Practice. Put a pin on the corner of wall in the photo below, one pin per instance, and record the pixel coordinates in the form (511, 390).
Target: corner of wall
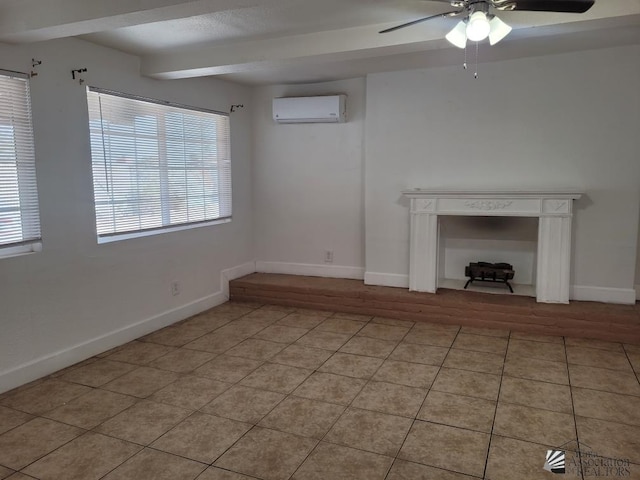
(235, 272)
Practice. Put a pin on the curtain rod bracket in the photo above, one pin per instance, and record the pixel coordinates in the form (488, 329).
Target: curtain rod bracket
(34, 63)
(78, 71)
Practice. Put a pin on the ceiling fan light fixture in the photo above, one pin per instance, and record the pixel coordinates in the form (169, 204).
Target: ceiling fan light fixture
(458, 35)
(478, 27)
(499, 30)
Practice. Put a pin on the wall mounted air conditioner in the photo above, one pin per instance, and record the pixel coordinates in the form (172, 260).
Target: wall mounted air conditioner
(324, 109)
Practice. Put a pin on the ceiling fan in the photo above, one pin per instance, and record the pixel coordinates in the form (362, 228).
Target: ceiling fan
(479, 23)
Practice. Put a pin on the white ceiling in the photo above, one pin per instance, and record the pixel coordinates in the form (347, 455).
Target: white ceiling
(294, 41)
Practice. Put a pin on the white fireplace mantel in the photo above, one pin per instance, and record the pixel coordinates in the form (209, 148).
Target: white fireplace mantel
(554, 210)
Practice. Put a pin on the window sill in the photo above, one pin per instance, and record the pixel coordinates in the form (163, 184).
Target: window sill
(148, 233)
(17, 250)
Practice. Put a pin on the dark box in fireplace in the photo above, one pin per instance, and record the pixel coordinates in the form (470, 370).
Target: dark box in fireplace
(489, 272)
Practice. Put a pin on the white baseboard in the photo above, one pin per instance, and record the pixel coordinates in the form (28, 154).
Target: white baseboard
(312, 270)
(386, 279)
(604, 294)
(53, 362)
(578, 292)
(235, 272)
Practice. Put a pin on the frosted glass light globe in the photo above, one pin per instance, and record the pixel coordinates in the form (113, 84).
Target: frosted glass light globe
(478, 27)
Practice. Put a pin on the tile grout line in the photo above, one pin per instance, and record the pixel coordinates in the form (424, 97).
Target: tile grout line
(395, 458)
(495, 413)
(368, 380)
(125, 461)
(339, 416)
(467, 396)
(180, 323)
(203, 413)
(252, 425)
(415, 419)
(573, 409)
(65, 444)
(280, 402)
(626, 353)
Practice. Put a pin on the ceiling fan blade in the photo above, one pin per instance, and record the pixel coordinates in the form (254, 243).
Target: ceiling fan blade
(420, 20)
(564, 6)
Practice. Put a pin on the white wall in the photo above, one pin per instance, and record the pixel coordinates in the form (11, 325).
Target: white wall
(308, 190)
(553, 122)
(563, 121)
(62, 304)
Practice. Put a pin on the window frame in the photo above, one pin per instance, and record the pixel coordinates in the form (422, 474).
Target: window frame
(27, 189)
(163, 170)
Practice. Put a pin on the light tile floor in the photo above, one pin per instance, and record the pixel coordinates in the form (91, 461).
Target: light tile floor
(246, 391)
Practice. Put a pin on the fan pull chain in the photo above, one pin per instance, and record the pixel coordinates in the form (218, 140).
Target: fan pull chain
(475, 75)
(464, 65)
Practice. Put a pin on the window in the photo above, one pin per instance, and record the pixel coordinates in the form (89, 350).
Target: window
(19, 216)
(156, 165)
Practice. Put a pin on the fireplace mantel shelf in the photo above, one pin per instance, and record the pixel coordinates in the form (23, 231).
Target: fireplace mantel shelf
(538, 194)
(553, 208)
(492, 203)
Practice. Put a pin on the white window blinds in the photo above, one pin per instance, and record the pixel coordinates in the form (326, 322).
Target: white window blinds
(156, 165)
(19, 217)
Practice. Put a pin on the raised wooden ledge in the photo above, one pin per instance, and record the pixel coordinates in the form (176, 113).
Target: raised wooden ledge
(617, 323)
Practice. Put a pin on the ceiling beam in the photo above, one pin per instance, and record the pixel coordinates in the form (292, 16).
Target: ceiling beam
(356, 42)
(23, 21)
(351, 44)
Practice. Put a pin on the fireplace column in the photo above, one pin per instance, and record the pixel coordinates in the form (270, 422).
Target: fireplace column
(554, 252)
(423, 246)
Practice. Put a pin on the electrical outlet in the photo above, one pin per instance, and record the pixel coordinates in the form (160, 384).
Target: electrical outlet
(175, 288)
(328, 256)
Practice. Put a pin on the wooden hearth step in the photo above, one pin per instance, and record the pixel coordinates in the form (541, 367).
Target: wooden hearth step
(579, 319)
